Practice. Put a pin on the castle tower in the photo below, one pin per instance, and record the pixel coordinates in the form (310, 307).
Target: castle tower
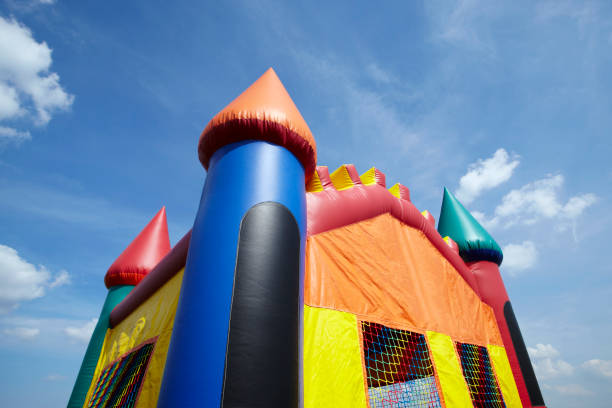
(145, 251)
(237, 333)
(483, 256)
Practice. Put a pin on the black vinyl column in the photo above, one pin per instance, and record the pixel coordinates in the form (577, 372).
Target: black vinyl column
(533, 389)
(262, 358)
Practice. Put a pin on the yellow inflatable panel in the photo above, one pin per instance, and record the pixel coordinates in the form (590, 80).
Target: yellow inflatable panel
(446, 362)
(314, 185)
(501, 365)
(341, 179)
(369, 177)
(333, 372)
(395, 190)
(153, 318)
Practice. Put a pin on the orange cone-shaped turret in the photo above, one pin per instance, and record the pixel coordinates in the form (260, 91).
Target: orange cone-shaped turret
(264, 111)
(145, 251)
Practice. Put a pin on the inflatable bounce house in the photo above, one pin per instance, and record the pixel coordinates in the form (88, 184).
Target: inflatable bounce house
(301, 288)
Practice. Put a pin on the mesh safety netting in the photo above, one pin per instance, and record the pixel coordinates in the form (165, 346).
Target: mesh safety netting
(400, 372)
(478, 373)
(119, 383)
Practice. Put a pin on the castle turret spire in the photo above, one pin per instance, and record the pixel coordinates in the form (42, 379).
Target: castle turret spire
(145, 251)
(475, 243)
(264, 111)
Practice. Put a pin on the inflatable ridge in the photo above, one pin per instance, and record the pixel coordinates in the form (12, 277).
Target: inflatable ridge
(430, 218)
(452, 244)
(345, 177)
(400, 191)
(373, 176)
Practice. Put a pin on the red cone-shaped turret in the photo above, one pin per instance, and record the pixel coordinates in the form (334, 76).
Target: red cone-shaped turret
(142, 255)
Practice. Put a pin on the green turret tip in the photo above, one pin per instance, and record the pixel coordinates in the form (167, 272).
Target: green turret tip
(475, 243)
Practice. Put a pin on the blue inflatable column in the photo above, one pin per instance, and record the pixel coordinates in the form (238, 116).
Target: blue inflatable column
(237, 333)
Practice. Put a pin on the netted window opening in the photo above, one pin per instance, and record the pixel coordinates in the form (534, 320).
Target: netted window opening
(400, 373)
(119, 383)
(478, 373)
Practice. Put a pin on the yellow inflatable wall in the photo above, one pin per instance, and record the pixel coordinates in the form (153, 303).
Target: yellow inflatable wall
(150, 322)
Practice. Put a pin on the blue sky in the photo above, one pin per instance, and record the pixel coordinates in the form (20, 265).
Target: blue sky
(507, 104)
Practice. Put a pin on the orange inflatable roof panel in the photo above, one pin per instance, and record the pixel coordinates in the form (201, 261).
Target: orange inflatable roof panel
(264, 111)
(384, 271)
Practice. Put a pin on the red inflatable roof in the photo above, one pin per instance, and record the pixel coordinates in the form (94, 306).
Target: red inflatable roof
(264, 111)
(142, 255)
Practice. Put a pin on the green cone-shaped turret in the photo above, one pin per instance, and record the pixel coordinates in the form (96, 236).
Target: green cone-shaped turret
(475, 243)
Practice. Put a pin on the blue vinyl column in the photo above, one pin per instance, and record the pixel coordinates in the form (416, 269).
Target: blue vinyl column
(240, 176)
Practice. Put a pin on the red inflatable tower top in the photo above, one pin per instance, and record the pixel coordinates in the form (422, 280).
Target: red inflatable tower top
(145, 251)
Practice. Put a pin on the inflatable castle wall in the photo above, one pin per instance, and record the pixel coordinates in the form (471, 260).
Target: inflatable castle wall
(301, 288)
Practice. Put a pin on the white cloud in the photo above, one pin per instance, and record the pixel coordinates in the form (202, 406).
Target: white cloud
(27, 86)
(23, 333)
(601, 367)
(546, 362)
(543, 351)
(532, 201)
(576, 205)
(551, 368)
(519, 257)
(9, 102)
(81, 333)
(22, 281)
(540, 200)
(62, 278)
(53, 337)
(485, 175)
(572, 389)
(12, 135)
